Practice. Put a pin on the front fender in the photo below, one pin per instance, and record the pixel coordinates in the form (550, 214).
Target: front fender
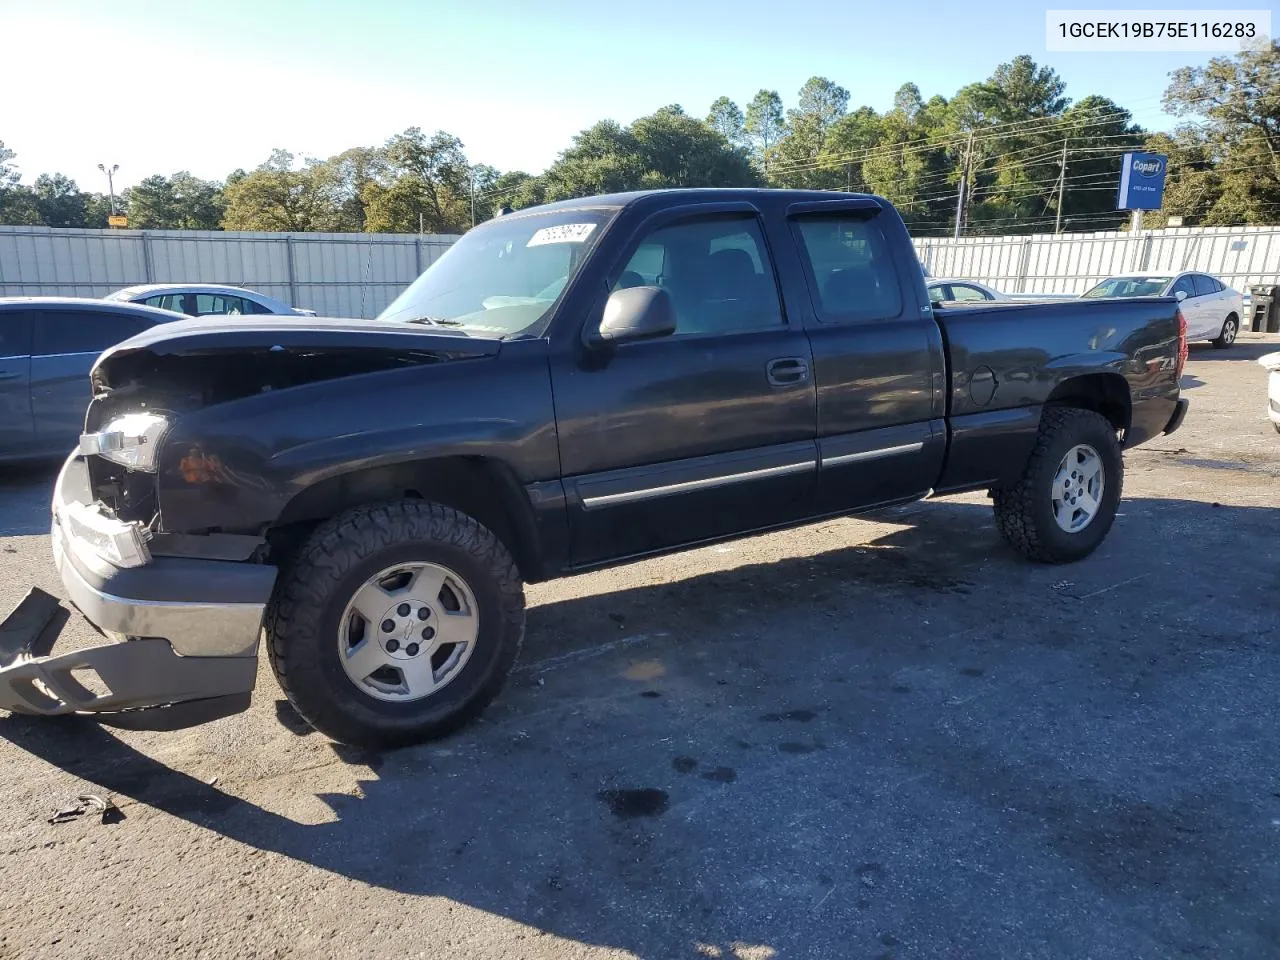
(235, 466)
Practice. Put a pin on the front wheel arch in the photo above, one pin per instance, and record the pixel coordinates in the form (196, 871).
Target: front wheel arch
(483, 488)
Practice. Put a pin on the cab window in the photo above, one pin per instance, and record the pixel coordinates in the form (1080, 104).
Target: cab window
(851, 273)
(717, 271)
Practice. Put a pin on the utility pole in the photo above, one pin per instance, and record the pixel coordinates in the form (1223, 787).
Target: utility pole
(965, 166)
(1062, 186)
(111, 186)
(473, 198)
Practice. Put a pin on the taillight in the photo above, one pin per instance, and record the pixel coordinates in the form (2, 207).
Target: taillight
(1182, 343)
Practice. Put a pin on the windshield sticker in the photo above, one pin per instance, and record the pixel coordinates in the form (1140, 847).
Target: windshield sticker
(564, 233)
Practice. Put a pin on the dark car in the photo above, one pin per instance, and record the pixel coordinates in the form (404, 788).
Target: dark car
(47, 346)
(568, 387)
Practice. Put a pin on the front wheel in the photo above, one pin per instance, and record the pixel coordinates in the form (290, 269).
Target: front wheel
(396, 623)
(1230, 329)
(1063, 505)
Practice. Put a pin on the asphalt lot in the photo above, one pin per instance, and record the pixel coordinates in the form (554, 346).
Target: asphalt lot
(884, 737)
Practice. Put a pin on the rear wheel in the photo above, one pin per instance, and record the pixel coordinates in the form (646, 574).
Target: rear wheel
(1230, 329)
(1065, 502)
(396, 623)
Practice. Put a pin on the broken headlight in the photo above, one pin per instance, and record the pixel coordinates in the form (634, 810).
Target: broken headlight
(133, 440)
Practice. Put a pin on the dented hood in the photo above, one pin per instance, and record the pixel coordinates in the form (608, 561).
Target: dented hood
(219, 335)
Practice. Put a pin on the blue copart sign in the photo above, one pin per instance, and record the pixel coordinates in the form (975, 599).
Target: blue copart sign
(1142, 181)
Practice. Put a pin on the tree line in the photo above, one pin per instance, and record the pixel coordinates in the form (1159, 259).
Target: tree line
(1029, 158)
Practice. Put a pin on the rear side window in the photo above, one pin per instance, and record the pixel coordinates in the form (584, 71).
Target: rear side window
(212, 303)
(61, 332)
(962, 291)
(851, 274)
(1204, 285)
(15, 333)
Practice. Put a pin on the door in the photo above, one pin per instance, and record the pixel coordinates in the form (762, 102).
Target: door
(17, 435)
(66, 342)
(1209, 292)
(1195, 308)
(703, 433)
(877, 354)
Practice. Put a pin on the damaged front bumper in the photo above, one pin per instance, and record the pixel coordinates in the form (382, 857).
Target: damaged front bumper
(185, 631)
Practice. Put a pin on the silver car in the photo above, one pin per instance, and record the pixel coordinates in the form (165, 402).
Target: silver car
(206, 299)
(1212, 309)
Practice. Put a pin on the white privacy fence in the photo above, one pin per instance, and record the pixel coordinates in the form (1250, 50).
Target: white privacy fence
(335, 274)
(1071, 263)
(357, 274)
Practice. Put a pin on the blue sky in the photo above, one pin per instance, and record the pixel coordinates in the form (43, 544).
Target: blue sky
(211, 86)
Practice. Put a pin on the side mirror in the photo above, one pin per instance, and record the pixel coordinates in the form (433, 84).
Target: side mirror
(1181, 295)
(636, 313)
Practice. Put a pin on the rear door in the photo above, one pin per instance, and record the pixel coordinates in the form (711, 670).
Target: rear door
(877, 352)
(1209, 291)
(16, 431)
(706, 432)
(66, 342)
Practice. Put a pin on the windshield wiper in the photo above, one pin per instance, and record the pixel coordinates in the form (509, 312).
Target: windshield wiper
(438, 322)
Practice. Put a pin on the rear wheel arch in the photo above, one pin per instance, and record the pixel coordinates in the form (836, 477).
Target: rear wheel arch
(1228, 332)
(483, 488)
(1106, 394)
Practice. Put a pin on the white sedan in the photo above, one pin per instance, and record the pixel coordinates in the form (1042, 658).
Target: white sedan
(206, 299)
(1272, 362)
(961, 291)
(1213, 310)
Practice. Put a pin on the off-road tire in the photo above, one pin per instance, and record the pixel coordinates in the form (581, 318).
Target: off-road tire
(1024, 509)
(340, 555)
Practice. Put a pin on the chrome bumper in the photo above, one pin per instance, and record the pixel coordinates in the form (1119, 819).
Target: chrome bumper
(194, 627)
(184, 630)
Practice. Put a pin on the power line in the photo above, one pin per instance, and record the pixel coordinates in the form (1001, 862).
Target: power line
(1073, 125)
(999, 131)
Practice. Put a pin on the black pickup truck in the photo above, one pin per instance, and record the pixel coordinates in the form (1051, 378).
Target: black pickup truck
(568, 387)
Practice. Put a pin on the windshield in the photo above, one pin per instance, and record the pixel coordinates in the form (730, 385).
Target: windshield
(125, 294)
(502, 277)
(1129, 287)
